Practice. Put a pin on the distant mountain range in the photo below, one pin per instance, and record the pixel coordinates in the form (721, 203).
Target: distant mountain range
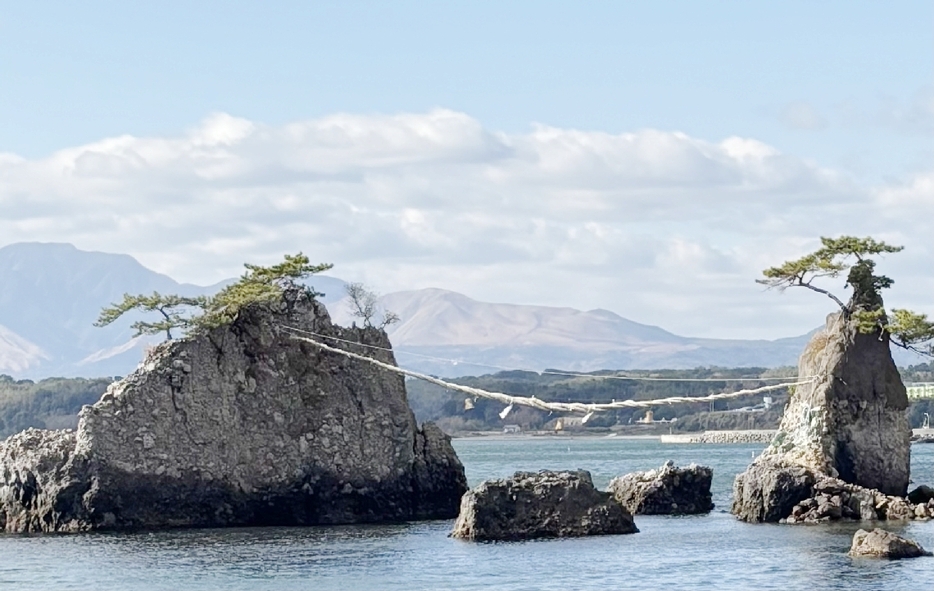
(51, 294)
(438, 327)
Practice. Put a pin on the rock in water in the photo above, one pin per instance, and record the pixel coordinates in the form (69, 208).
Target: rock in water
(850, 423)
(883, 544)
(668, 490)
(239, 425)
(540, 505)
(768, 490)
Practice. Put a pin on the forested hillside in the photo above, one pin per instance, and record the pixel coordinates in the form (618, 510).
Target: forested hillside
(452, 411)
(455, 415)
(48, 404)
(54, 403)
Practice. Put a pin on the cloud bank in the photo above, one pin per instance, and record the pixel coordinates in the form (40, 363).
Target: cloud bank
(656, 225)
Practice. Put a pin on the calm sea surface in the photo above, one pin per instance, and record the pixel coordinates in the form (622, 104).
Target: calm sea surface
(706, 552)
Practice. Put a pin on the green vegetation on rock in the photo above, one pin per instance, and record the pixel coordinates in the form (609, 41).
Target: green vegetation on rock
(175, 311)
(907, 329)
(257, 284)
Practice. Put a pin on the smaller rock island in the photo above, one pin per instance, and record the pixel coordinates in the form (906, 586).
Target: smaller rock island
(668, 490)
(543, 504)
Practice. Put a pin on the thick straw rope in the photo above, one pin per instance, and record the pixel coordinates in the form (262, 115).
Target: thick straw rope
(549, 372)
(578, 407)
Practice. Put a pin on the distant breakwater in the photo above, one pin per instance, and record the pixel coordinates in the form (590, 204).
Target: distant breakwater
(746, 436)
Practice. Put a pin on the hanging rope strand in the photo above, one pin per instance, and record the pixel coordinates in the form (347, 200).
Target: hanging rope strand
(533, 402)
(545, 372)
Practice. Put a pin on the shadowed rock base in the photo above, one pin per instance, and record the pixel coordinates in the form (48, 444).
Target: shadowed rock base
(540, 505)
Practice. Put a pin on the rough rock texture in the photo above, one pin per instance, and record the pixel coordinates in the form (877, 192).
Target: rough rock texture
(540, 505)
(879, 543)
(768, 490)
(242, 425)
(669, 490)
(832, 499)
(792, 494)
(850, 423)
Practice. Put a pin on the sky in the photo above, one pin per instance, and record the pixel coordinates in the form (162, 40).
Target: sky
(650, 158)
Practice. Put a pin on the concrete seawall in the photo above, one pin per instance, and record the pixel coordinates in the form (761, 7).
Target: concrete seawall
(750, 436)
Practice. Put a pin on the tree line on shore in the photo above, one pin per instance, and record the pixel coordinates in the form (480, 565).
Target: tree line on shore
(54, 403)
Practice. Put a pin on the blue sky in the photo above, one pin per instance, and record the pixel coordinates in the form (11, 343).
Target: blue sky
(76, 72)
(837, 96)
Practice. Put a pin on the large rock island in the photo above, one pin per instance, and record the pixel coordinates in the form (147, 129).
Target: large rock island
(238, 425)
(850, 424)
(844, 443)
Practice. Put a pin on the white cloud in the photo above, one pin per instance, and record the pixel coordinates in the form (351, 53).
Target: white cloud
(658, 226)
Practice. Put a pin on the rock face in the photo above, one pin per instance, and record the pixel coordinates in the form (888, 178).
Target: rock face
(832, 499)
(850, 423)
(240, 425)
(768, 490)
(883, 544)
(669, 490)
(540, 505)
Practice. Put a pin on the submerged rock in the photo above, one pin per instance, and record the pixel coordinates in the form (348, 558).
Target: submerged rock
(669, 490)
(540, 505)
(239, 425)
(879, 543)
(850, 424)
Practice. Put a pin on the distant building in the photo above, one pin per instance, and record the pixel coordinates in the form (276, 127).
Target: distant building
(648, 418)
(564, 423)
(512, 429)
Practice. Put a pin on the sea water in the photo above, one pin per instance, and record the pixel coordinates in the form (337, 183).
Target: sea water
(698, 552)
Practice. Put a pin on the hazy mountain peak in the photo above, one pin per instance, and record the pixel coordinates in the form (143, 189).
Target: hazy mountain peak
(52, 293)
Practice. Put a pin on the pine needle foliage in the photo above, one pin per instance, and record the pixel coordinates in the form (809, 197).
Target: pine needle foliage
(175, 312)
(257, 284)
(852, 255)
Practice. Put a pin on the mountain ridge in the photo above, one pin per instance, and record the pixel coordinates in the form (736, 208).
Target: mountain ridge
(53, 292)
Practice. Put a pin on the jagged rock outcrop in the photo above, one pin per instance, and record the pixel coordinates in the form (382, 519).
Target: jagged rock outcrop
(669, 490)
(769, 489)
(879, 543)
(832, 499)
(849, 423)
(239, 425)
(540, 505)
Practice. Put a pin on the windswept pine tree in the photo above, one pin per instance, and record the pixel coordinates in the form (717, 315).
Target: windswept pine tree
(905, 328)
(257, 284)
